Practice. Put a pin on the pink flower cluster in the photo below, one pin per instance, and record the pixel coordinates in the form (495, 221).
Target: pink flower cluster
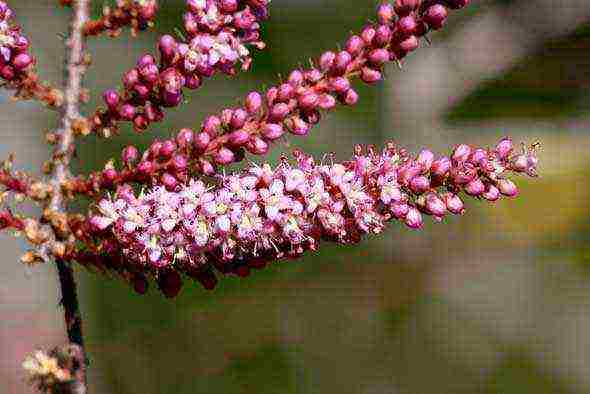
(263, 214)
(219, 33)
(15, 58)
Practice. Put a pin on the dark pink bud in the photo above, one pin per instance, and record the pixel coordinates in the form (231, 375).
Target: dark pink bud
(155, 149)
(286, 91)
(414, 218)
(111, 99)
(441, 167)
(169, 181)
(212, 125)
(456, 4)
(507, 187)
(463, 175)
(146, 168)
(492, 193)
(207, 168)
(170, 283)
(327, 102)
(272, 131)
(405, 7)
(368, 34)
(354, 45)
(257, 146)
(309, 101)
(239, 118)
(504, 147)
(479, 156)
(379, 56)
(382, 36)
(224, 156)
(185, 137)
(313, 75)
(253, 102)
(475, 188)
(425, 159)
(179, 163)
(351, 97)
(140, 123)
(409, 44)
(279, 111)
(327, 61)
(130, 155)
(399, 210)
(436, 16)
(130, 78)
(419, 184)
(385, 13)
(167, 46)
(22, 61)
(145, 60)
(202, 141)
(238, 137)
(168, 148)
(295, 78)
(435, 205)
(298, 126)
(340, 84)
(407, 25)
(229, 6)
(342, 61)
(7, 72)
(140, 284)
(109, 176)
(192, 82)
(454, 203)
(127, 111)
(370, 75)
(461, 153)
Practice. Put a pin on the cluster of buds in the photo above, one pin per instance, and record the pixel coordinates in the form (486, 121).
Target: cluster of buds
(16, 62)
(264, 214)
(138, 14)
(219, 33)
(56, 371)
(293, 106)
(15, 58)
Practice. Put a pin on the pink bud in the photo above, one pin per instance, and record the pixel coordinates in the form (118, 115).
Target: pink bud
(297, 126)
(441, 167)
(326, 102)
(351, 97)
(504, 147)
(456, 4)
(425, 159)
(185, 137)
(202, 141)
(308, 101)
(238, 137)
(279, 111)
(340, 84)
(378, 56)
(253, 102)
(436, 16)
(399, 210)
(169, 181)
(405, 7)
(354, 45)
(382, 36)
(168, 148)
(435, 205)
(257, 146)
(130, 155)
(342, 61)
(369, 75)
(507, 187)
(224, 156)
(295, 78)
(454, 203)
(407, 25)
(327, 61)
(385, 13)
(239, 118)
(461, 153)
(475, 188)
(212, 126)
(492, 193)
(414, 218)
(22, 61)
(272, 131)
(419, 184)
(409, 44)
(146, 168)
(111, 98)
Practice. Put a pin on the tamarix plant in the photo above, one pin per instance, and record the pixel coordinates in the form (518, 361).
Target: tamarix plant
(172, 212)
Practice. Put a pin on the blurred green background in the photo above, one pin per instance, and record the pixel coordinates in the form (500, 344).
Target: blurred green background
(496, 301)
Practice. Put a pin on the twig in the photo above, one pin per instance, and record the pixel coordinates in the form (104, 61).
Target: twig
(73, 75)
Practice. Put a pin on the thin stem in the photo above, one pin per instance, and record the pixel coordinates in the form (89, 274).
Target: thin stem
(73, 75)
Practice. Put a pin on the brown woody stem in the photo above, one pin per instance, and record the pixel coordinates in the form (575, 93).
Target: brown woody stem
(74, 69)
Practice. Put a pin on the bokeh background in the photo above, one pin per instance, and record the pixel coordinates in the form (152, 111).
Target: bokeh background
(496, 301)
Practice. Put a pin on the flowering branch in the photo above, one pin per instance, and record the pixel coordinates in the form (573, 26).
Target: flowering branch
(264, 214)
(217, 37)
